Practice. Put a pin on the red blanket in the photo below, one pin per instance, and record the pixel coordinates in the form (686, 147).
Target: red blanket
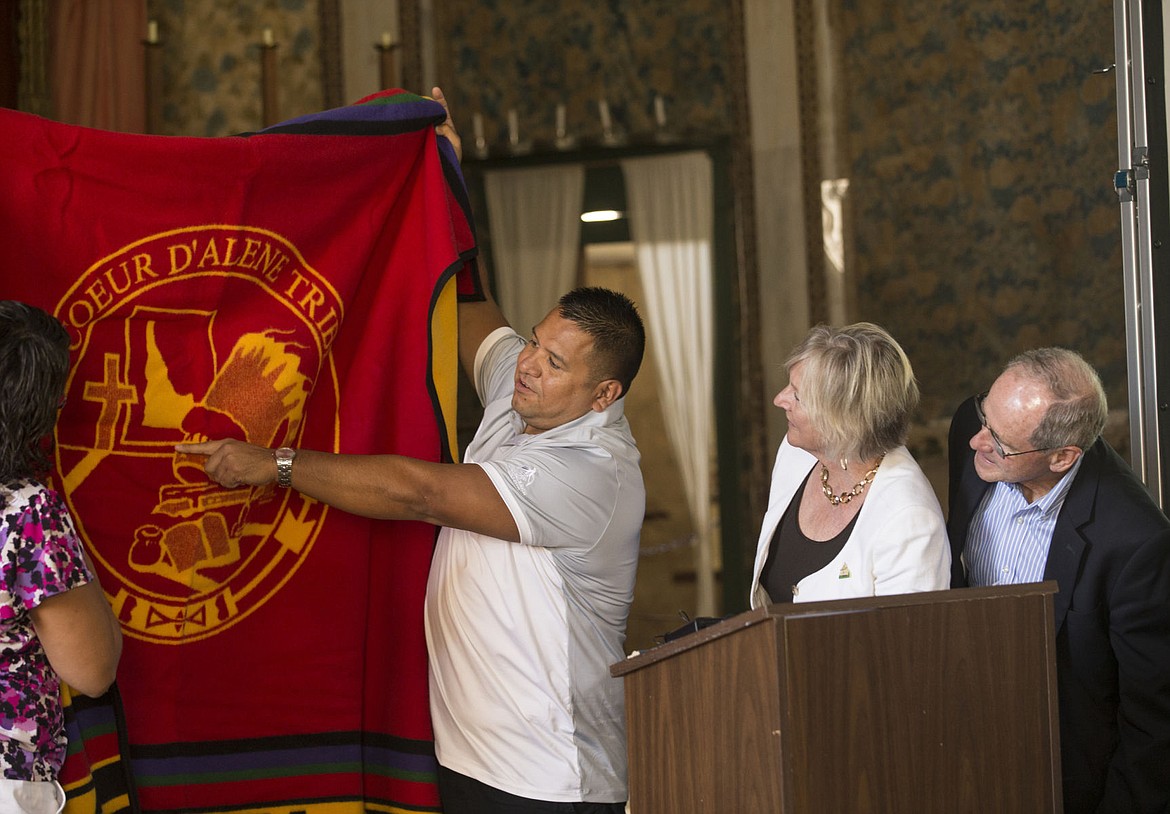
(293, 287)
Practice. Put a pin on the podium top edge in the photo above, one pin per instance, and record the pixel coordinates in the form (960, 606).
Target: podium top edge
(639, 659)
(919, 598)
(787, 610)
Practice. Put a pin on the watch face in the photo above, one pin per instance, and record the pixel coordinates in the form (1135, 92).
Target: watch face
(285, 454)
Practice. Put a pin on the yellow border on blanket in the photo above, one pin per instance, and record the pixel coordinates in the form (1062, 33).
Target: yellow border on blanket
(445, 362)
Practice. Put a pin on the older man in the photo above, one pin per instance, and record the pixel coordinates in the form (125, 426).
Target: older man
(1036, 494)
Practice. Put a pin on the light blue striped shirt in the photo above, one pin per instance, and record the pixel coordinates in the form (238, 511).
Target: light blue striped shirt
(1009, 538)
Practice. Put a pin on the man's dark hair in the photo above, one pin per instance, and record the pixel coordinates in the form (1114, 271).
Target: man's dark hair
(34, 367)
(612, 319)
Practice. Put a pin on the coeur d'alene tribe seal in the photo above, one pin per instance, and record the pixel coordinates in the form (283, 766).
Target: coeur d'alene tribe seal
(205, 332)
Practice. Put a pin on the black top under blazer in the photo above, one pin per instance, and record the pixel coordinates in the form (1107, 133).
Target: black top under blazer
(1110, 557)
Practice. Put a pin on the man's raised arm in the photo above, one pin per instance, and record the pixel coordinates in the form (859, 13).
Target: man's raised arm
(476, 319)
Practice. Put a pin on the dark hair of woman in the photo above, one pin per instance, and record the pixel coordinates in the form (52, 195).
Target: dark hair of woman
(34, 367)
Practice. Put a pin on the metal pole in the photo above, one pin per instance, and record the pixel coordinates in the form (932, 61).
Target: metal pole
(1132, 185)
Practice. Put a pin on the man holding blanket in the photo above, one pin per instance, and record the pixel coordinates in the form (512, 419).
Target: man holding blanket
(533, 573)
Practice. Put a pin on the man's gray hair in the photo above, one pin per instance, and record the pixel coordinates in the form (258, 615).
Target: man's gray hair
(1078, 411)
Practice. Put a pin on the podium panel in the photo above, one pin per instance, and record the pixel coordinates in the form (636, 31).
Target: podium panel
(932, 702)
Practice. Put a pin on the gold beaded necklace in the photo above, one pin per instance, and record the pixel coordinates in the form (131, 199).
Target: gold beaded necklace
(846, 497)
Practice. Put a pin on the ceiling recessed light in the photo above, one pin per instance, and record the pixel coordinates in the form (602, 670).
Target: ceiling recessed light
(601, 216)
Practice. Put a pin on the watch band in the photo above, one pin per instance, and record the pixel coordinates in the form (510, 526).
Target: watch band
(284, 466)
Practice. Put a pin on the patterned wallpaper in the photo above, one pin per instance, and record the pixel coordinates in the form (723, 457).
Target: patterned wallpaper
(978, 142)
(530, 55)
(980, 147)
(209, 59)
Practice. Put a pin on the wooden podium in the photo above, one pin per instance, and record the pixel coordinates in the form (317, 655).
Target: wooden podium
(933, 702)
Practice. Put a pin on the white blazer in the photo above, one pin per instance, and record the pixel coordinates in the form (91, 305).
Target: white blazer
(898, 544)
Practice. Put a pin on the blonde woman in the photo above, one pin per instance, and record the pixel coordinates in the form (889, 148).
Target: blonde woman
(850, 512)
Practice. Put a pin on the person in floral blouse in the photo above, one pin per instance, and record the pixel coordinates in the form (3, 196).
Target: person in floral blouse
(55, 622)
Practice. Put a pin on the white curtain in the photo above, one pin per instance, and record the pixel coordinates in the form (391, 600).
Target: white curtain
(670, 207)
(534, 217)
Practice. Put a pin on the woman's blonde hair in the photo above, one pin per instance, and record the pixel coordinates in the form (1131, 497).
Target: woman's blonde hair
(857, 387)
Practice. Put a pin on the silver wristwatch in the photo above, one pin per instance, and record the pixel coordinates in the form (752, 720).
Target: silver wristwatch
(284, 461)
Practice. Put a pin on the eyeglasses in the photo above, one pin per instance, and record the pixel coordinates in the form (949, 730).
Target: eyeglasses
(995, 438)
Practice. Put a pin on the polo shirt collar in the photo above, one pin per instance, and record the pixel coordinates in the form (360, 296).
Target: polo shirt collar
(591, 420)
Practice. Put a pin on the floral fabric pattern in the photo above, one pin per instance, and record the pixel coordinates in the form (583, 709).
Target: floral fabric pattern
(40, 557)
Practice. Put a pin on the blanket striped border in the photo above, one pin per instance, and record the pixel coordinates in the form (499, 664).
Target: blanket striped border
(264, 771)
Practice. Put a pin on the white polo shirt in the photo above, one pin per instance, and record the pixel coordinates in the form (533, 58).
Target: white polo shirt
(520, 636)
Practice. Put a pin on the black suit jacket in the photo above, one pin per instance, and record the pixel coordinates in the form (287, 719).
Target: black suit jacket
(1110, 557)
